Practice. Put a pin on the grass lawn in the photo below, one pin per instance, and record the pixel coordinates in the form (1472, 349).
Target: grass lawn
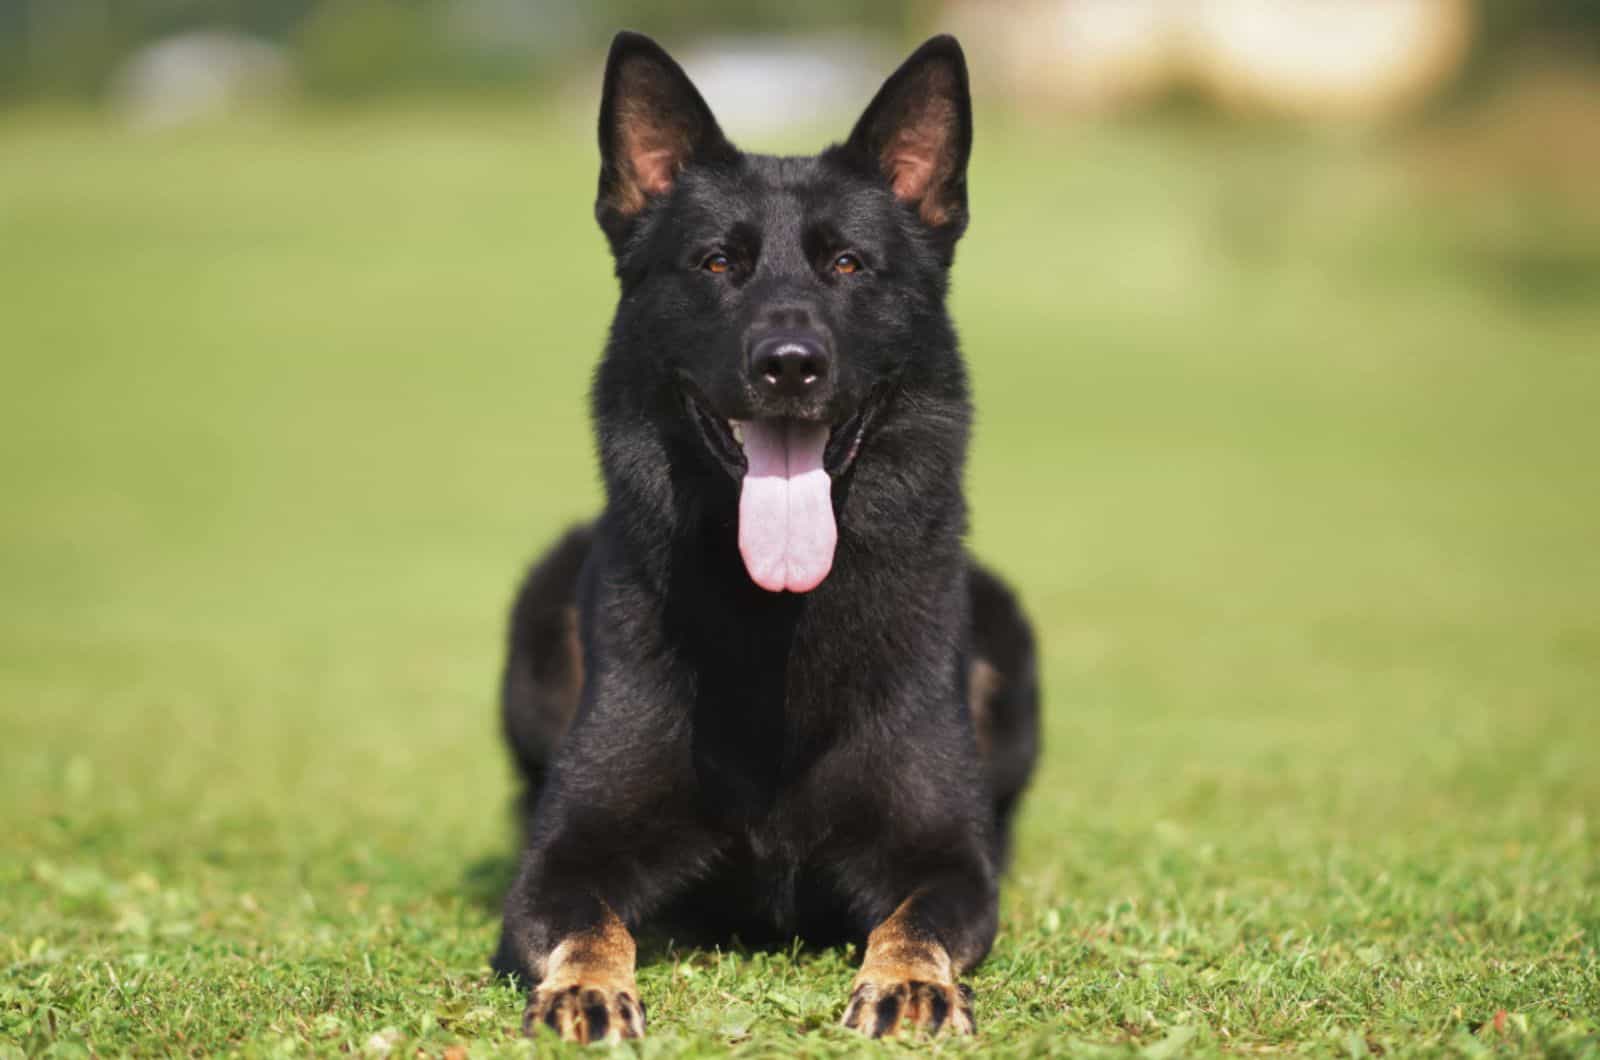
(1296, 462)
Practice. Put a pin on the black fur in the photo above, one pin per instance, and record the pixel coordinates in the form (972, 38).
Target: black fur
(725, 760)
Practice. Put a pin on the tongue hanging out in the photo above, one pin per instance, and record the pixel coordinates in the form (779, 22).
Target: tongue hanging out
(786, 528)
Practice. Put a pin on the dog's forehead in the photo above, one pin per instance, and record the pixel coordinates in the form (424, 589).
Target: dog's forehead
(779, 193)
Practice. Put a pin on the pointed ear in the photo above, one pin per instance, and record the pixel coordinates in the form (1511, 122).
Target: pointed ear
(652, 124)
(917, 132)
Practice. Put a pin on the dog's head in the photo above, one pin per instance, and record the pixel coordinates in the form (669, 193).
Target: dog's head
(771, 306)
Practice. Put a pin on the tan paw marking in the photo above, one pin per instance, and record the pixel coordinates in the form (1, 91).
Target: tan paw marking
(588, 993)
(906, 981)
(582, 1013)
(882, 1009)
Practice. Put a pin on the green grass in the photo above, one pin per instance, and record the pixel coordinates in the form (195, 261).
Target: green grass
(1298, 469)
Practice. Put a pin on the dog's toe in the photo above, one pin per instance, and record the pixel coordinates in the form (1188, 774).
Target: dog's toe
(580, 1013)
(883, 1009)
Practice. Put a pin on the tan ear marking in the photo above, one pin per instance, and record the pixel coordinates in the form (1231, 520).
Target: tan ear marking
(651, 153)
(651, 137)
(920, 157)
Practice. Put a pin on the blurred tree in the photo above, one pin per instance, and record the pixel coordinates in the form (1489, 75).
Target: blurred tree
(1509, 29)
(682, 18)
(359, 47)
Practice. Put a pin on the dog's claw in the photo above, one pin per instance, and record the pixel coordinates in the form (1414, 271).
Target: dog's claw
(882, 1009)
(580, 1013)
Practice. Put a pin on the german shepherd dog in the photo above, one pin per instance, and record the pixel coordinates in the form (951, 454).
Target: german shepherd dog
(767, 695)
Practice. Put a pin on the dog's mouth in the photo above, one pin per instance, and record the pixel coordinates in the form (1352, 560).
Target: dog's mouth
(725, 437)
(786, 467)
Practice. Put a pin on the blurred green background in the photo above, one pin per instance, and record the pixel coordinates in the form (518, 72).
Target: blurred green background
(1286, 432)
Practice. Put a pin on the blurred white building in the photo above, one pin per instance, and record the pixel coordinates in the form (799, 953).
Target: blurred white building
(1319, 58)
(199, 74)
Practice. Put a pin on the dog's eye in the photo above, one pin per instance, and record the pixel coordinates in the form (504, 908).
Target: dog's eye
(845, 264)
(718, 263)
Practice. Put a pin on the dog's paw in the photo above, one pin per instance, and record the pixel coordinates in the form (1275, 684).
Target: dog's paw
(880, 1007)
(585, 1013)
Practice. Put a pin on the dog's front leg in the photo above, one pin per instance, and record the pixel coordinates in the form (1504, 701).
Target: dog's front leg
(909, 973)
(582, 955)
(587, 992)
(592, 868)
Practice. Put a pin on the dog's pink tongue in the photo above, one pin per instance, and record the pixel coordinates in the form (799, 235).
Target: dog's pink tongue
(786, 529)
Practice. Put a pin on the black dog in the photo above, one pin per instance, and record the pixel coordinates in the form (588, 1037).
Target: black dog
(768, 694)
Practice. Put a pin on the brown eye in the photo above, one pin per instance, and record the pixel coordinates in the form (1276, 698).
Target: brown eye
(845, 264)
(717, 263)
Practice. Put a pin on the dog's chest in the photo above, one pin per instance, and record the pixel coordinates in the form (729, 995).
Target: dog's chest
(769, 888)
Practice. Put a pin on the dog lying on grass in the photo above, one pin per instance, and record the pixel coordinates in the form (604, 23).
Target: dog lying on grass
(768, 694)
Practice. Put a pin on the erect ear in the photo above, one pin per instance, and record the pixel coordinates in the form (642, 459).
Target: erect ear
(917, 131)
(652, 124)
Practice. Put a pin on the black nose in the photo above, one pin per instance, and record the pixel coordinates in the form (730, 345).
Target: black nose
(790, 366)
